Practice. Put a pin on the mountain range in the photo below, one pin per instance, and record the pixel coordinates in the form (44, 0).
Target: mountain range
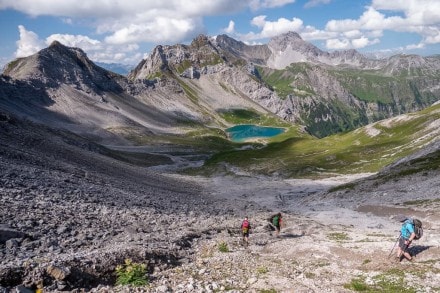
(196, 84)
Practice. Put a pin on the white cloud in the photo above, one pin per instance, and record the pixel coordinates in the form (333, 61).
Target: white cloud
(352, 34)
(259, 4)
(259, 21)
(346, 43)
(310, 33)
(231, 28)
(417, 12)
(273, 28)
(28, 44)
(415, 46)
(412, 16)
(433, 39)
(123, 21)
(79, 41)
(362, 42)
(369, 20)
(338, 44)
(159, 29)
(313, 3)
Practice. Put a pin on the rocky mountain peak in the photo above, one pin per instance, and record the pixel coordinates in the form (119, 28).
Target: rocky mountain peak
(225, 41)
(55, 44)
(200, 41)
(59, 64)
(177, 58)
(292, 40)
(291, 48)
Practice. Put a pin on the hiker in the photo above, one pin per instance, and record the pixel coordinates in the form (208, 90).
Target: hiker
(276, 222)
(407, 235)
(245, 227)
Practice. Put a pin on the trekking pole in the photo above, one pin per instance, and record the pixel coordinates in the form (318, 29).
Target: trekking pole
(400, 234)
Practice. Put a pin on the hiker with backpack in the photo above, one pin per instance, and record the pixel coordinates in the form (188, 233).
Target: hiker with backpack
(411, 230)
(245, 228)
(275, 220)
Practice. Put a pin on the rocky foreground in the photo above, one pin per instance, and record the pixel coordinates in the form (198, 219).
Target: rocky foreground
(70, 216)
(83, 212)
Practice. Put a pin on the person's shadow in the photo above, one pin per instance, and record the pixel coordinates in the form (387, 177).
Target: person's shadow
(416, 249)
(290, 235)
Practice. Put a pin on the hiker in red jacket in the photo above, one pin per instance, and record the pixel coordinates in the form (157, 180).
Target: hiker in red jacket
(245, 227)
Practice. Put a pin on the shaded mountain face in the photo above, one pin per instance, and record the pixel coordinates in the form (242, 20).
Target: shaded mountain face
(61, 87)
(59, 64)
(193, 84)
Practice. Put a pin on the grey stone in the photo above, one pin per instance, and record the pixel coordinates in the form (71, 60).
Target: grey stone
(7, 233)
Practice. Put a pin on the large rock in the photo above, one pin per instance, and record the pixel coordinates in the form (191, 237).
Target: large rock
(57, 272)
(7, 233)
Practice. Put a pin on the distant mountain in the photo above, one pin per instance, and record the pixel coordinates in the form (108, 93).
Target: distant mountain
(200, 83)
(60, 86)
(122, 69)
(325, 92)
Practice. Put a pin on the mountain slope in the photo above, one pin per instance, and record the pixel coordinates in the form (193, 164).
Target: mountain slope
(367, 149)
(325, 92)
(61, 86)
(184, 88)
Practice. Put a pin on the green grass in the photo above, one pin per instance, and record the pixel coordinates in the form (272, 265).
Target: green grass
(262, 270)
(338, 236)
(366, 261)
(133, 274)
(420, 202)
(248, 116)
(295, 154)
(190, 92)
(11, 65)
(388, 282)
(223, 247)
(284, 82)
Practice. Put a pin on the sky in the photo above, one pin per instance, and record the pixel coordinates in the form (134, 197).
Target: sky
(126, 31)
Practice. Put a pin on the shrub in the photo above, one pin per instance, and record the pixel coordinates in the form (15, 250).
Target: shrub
(262, 270)
(223, 247)
(130, 273)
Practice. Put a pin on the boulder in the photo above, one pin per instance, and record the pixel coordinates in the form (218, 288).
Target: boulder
(58, 272)
(7, 233)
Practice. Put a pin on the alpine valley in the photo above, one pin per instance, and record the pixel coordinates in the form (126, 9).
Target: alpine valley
(98, 167)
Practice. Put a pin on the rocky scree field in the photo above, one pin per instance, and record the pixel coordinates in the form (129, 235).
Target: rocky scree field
(72, 215)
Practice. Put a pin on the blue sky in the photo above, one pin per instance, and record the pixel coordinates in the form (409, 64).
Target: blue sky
(125, 31)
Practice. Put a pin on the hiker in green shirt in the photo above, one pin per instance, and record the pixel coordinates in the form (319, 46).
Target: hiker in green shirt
(276, 221)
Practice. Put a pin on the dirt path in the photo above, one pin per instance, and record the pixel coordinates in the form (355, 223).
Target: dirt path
(325, 246)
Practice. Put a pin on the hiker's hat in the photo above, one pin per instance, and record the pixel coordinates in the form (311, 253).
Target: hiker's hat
(401, 218)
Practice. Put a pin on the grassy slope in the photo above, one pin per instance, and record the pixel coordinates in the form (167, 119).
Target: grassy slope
(353, 152)
(372, 86)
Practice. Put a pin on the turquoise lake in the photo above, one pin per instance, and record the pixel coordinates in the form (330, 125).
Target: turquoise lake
(240, 133)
